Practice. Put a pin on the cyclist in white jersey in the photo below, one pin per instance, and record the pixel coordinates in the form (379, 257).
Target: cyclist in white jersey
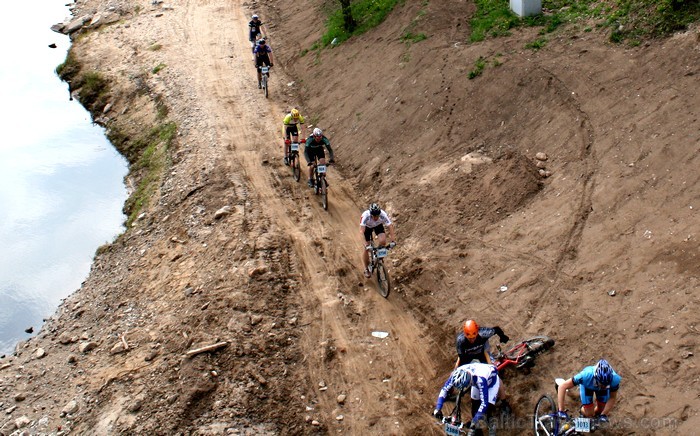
(373, 221)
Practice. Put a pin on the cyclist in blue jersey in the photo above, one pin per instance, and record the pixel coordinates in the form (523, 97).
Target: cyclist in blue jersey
(373, 220)
(599, 381)
(473, 342)
(484, 382)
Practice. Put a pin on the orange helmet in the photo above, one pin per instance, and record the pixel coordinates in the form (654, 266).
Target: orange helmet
(471, 329)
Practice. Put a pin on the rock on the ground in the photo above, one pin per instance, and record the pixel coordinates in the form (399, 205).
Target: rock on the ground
(87, 346)
(70, 408)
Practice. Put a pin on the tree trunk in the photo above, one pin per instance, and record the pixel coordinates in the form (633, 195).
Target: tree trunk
(348, 20)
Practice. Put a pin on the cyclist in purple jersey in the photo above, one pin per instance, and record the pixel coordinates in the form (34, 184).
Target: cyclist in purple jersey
(262, 55)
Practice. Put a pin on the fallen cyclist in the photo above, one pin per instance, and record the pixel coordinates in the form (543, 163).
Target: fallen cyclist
(484, 383)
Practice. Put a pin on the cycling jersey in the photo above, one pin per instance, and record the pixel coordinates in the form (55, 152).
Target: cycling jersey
(255, 26)
(468, 351)
(368, 222)
(484, 384)
(288, 120)
(589, 386)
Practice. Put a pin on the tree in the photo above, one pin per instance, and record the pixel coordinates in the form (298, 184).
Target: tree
(348, 21)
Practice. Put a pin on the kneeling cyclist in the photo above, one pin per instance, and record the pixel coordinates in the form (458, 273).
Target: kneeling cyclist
(599, 381)
(313, 149)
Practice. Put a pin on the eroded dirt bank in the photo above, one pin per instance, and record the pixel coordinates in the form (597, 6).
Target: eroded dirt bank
(453, 160)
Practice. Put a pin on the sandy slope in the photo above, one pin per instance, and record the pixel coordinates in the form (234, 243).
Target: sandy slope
(452, 159)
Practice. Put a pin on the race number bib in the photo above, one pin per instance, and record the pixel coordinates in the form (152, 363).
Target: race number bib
(321, 169)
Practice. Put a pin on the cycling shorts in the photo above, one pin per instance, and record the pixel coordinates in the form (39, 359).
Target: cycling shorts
(377, 231)
(291, 129)
(314, 152)
(587, 395)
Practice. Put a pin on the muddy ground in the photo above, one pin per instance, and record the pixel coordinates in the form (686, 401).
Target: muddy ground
(599, 250)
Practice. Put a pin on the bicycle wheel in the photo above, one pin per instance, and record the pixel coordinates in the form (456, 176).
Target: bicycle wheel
(544, 420)
(324, 192)
(296, 168)
(533, 346)
(383, 284)
(264, 84)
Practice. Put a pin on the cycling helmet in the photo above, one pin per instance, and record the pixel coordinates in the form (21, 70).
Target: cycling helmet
(461, 378)
(374, 209)
(261, 41)
(317, 132)
(255, 16)
(603, 372)
(470, 328)
(295, 113)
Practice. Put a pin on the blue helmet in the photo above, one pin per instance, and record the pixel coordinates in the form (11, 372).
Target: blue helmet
(462, 378)
(603, 372)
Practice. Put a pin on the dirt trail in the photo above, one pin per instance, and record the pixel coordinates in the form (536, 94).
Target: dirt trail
(377, 376)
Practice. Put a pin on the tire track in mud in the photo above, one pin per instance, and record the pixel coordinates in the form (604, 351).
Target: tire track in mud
(379, 377)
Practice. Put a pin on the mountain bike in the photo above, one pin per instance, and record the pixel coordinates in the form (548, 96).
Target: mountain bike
(293, 157)
(454, 426)
(376, 263)
(547, 422)
(264, 78)
(320, 184)
(452, 423)
(523, 354)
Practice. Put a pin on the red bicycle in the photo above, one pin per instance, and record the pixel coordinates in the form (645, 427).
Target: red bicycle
(523, 354)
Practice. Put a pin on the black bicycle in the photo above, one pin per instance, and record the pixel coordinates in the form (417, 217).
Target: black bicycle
(320, 183)
(293, 157)
(376, 264)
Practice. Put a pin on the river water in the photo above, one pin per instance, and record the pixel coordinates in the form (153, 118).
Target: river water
(61, 181)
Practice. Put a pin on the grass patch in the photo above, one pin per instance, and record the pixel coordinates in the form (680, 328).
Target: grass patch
(151, 165)
(157, 68)
(409, 37)
(367, 14)
(155, 47)
(627, 21)
(479, 66)
(536, 44)
(492, 18)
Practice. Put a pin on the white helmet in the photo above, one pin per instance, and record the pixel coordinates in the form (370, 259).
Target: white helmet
(462, 378)
(317, 132)
(255, 16)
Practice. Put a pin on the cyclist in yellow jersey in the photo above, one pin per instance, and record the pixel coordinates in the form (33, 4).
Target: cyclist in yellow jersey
(290, 129)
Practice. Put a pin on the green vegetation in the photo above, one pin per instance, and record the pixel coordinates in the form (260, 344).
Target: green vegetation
(536, 44)
(479, 66)
(627, 20)
(151, 163)
(155, 47)
(409, 37)
(366, 13)
(158, 67)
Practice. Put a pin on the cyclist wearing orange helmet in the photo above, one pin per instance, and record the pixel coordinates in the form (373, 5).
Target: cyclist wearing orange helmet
(473, 342)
